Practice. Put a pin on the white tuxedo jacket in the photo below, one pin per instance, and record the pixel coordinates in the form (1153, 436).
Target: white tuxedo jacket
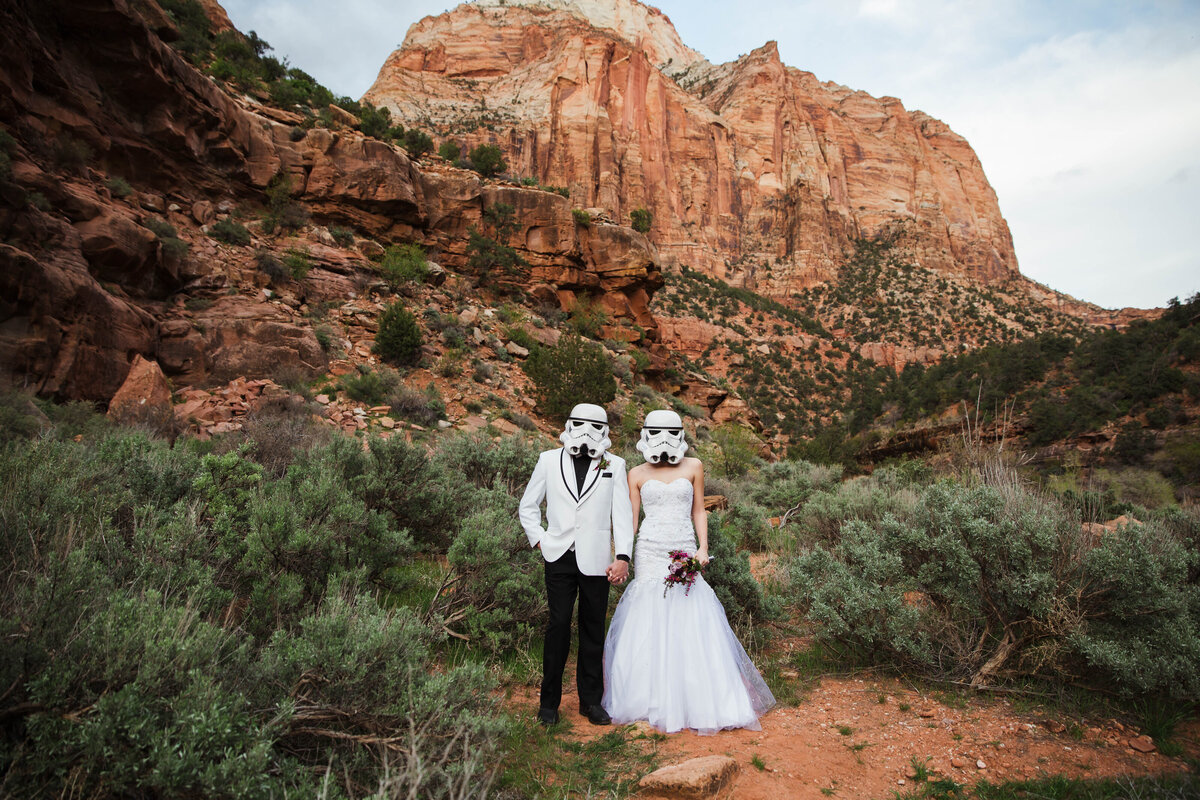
(596, 520)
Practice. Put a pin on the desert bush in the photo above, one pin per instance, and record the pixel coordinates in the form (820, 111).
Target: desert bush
(189, 625)
(344, 237)
(398, 340)
(574, 371)
(640, 219)
(587, 317)
(730, 577)
(283, 212)
(733, 450)
(280, 429)
(746, 526)
(495, 595)
(982, 583)
(230, 232)
(404, 263)
(422, 407)
(784, 485)
(369, 386)
(487, 160)
(450, 150)
(582, 218)
(503, 465)
(417, 143)
(821, 517)
(118, 186)
(71, 154)
(298, 262)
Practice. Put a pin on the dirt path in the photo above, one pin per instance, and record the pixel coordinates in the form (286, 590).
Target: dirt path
(842, 739)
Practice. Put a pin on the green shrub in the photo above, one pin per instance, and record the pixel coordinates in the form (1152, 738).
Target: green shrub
(588, 317)
(417, 143)
(422, 407)
(187, 625)
(487, 160)
(343, 236)
(574, 371)
(271, 266)
(496, 597)
(640, 219)
(503, 465)
(729, 575)
(450, 150)
(230, 232)
(398, 340)
(118, 186)
(370, 386)
(71, 154)
(284, 214)
(404, 263)
(733, 451)
(298, 262)
(582, 218)
(976, 583)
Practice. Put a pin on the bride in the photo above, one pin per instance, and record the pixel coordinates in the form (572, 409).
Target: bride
(670, 657)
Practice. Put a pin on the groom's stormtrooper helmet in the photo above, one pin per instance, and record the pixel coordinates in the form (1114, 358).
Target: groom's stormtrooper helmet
(662, 439)
(586, 431)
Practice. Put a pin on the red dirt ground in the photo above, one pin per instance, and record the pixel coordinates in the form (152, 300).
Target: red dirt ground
(803, 751)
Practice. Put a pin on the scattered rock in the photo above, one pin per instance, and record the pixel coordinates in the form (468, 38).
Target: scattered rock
(323, 399)
(926, 713)
(516, 350)
(387, 422)
(704, 777)
(203, 212)
(1054, 726)
(958, 762)
(979, 764)
(1142, 744)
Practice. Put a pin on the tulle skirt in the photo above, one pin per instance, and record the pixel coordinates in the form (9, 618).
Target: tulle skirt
(675, 662)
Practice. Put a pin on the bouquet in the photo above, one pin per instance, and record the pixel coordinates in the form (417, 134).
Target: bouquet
(683, 570)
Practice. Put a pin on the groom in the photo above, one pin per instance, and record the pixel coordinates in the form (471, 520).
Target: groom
(588, 511)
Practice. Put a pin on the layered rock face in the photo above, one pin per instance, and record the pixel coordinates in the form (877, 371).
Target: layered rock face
(86, 287)
(754, 172)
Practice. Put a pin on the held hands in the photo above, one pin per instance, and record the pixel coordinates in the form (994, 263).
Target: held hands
(617, 571)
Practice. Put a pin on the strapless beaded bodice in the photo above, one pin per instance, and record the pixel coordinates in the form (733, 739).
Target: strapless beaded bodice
(667, 527)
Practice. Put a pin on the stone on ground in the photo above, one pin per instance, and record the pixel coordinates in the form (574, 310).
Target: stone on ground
(704, 777)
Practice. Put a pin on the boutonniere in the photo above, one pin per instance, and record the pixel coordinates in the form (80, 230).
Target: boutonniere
(603, 464)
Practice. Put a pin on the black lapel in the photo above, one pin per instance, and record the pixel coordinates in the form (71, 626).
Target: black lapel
(594, 473)
(563, 458)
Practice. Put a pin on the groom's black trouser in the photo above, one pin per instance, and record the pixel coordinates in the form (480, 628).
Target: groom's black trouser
(563, 582)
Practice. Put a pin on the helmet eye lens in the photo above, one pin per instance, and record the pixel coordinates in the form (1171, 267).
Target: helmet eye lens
(598, 426)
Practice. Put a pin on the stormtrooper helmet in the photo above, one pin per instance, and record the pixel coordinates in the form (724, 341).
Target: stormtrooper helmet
(586, 431)
(662, 439)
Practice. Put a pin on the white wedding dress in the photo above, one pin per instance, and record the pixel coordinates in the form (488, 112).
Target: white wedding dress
(674, 661)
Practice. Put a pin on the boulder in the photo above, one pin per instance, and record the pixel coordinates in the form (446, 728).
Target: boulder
(145, 393)
(703, 777)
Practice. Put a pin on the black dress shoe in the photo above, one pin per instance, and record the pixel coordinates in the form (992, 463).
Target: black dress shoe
(548, 717)
(596, 715)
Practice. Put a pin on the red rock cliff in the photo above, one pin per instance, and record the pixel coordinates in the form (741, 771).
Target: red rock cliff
(754, 171)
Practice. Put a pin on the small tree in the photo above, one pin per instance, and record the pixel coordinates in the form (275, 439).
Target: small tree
(398, 339)
(450, 150)
(487, 160)
(417, 143)
(640, 219)
(562, 376)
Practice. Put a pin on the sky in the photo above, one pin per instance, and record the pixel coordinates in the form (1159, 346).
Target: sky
(1084, 113)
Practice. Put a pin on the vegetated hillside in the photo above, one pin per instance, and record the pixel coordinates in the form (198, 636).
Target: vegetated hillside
(1115, 397)
(818, 370)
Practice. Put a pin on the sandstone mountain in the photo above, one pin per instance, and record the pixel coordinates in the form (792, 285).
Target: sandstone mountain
(754, 171)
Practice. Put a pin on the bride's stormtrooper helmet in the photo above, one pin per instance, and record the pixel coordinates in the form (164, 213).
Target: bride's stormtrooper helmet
(586, 431)
(662, 439)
